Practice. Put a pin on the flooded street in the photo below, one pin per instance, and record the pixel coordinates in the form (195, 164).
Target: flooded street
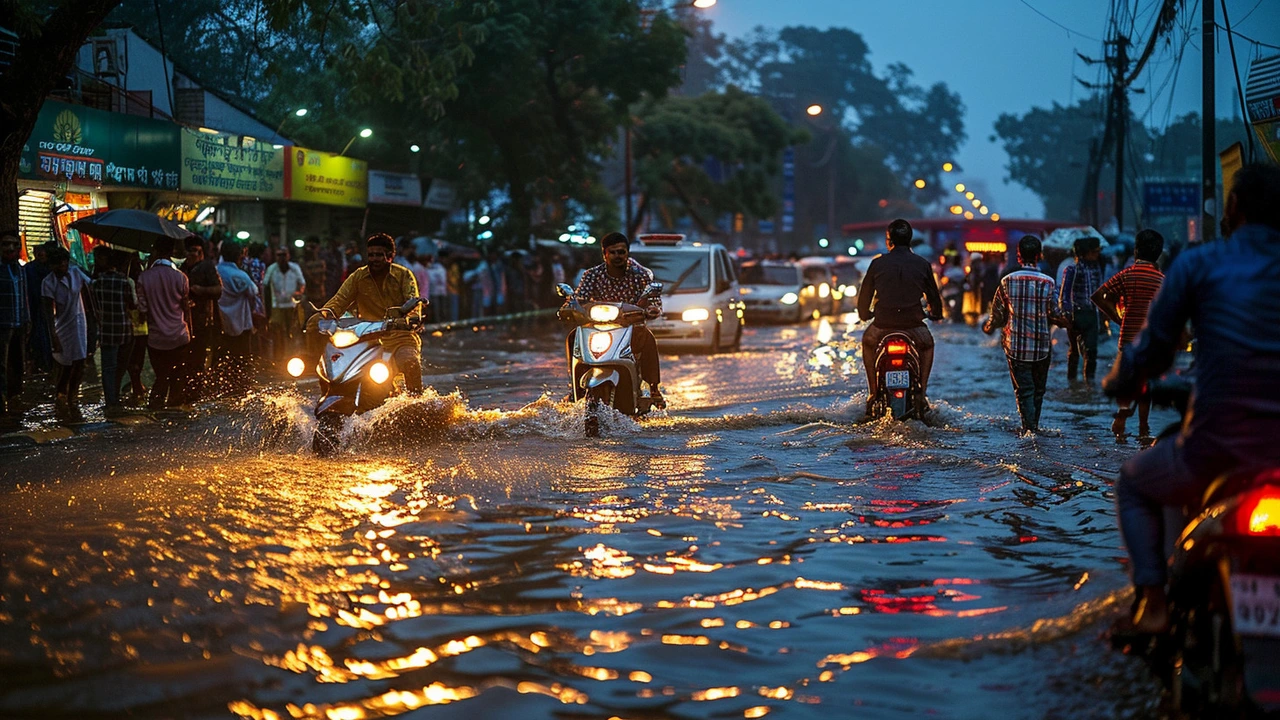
(749, 553)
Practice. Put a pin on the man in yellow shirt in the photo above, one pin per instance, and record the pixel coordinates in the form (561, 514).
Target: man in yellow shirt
(369, 291)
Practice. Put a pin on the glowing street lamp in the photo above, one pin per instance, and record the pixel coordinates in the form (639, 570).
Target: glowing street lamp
(300, 112)
(959, 187)
(947, 167)
(703, 4)
(414, 148)
(984, 210)
(364, 133)
(956, 210)
(976, 203)
(969, 195)
(920, 183)
(814, 110)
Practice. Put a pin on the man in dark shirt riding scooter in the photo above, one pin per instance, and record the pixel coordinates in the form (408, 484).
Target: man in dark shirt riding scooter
(890, 298)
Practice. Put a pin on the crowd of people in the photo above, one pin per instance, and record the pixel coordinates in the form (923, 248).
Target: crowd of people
(209, 322)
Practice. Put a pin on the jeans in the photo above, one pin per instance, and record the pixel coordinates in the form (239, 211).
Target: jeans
(1083, 340)
(111, 356)
(871, 343)
(454, 309)
(1150, 481)
(409, 363)
(12, 343)
(1029, 380)
(171, 377)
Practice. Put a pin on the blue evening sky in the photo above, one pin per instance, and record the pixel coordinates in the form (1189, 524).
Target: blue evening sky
(1004, 57)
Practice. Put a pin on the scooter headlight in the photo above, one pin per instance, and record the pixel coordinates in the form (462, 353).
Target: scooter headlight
(599, 343)
(344, 338)
(379, 372)
(604, 313)
(296, 366)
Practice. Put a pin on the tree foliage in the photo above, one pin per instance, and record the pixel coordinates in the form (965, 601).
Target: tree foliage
(681, 142)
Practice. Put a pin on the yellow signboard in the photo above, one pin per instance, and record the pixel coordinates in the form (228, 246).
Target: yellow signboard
(325, 178)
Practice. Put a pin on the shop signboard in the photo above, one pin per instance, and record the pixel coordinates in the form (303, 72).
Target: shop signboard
(325, 178)
(442, 196)
(388, 188)
(222, 164)
(83, 146)
(1262, 97)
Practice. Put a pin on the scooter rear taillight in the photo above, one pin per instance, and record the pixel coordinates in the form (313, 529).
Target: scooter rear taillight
(895, 348)
(1259, 512)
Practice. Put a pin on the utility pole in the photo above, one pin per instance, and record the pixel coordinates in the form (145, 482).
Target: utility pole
(1121, 106)
(1208, 140)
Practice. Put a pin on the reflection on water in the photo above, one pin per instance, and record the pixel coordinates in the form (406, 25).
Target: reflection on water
(771, 559)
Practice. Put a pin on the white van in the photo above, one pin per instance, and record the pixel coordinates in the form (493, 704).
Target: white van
(701, 305)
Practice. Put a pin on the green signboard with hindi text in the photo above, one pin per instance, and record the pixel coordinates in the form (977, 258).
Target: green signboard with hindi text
(222, 164)
(83, 146)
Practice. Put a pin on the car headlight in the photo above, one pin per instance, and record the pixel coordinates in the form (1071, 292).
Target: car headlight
(379, 372)
(604, 313)
(695, 315)
(344, 338)
(745, 291)
(790, 299)
(599, 343)
(296, 366)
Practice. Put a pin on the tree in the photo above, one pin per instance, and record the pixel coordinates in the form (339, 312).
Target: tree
(49, 36)
(914, 128)
(716, 153)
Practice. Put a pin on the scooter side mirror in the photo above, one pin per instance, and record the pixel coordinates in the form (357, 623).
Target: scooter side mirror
(564, 290)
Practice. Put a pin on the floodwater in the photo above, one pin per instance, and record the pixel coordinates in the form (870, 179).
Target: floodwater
(749, 553)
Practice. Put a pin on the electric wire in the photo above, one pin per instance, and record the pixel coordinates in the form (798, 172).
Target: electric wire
(1055, 22)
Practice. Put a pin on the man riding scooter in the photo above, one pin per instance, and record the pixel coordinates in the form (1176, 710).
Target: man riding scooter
(894, 284)
(1228, 291)
(619, 279)
(369, 291)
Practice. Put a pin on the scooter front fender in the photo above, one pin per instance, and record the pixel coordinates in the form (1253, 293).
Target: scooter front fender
(336, 405)
(599, 376)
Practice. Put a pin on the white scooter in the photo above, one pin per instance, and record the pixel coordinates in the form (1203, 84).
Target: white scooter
(602, 369)
(356, 372)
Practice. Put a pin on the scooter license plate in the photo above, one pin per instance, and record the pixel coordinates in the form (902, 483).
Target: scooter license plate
(1255, 604)
(897, 379)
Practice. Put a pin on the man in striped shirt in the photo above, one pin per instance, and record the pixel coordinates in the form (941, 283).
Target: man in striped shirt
(1124, 300)
(1023, 306)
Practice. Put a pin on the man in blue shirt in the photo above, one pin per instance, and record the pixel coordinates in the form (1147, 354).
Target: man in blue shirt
(1079, 282)
(15, 317)
(1228, 290)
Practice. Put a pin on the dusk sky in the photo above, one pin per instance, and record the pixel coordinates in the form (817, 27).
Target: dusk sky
(1004, 57)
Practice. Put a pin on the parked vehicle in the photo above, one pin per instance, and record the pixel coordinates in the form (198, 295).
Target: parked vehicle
(847, 279)
(702, 306)
(356, 373)
(775, 291)
(1221, 656)
(602, 369)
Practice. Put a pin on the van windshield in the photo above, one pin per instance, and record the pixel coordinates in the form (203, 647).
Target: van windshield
(769, 275)
(679, 272)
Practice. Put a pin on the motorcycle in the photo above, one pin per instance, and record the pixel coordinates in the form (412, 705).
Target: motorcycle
(356, 372)
(898, 379)
(602, 369)
(1221, 655)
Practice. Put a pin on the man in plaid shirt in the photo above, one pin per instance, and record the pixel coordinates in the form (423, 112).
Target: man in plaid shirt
(1023, 306)
(619, 279)
(114, 298)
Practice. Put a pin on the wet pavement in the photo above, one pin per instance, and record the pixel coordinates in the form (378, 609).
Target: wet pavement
(749, 553)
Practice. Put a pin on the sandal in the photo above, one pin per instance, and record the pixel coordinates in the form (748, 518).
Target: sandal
(1119, 418)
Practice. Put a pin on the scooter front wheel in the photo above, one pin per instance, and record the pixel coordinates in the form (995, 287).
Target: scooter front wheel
(597, 397)
(328, 435)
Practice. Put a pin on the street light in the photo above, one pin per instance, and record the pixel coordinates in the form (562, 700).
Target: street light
(364, 133)
(956, 210)
(920, 183)
(947, 167)
(969, 195)
(300, 112)
(959, 187)
(814, 110)
(983, 210)
(703, 4)
(414, 148)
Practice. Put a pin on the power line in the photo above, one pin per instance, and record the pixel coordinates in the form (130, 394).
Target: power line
(1242, 36)
(1055, 22)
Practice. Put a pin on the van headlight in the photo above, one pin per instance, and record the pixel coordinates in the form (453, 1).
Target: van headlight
(695, 315)
(344, 339)
(790, 299)
(296, 366)
(824, 290)
(599, 343)
(379, 372)
(604, 313)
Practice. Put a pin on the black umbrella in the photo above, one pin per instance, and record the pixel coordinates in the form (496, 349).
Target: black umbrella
(133, 229)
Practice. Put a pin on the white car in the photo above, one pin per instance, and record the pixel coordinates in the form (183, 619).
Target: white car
(702, 309)
(776, 291)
